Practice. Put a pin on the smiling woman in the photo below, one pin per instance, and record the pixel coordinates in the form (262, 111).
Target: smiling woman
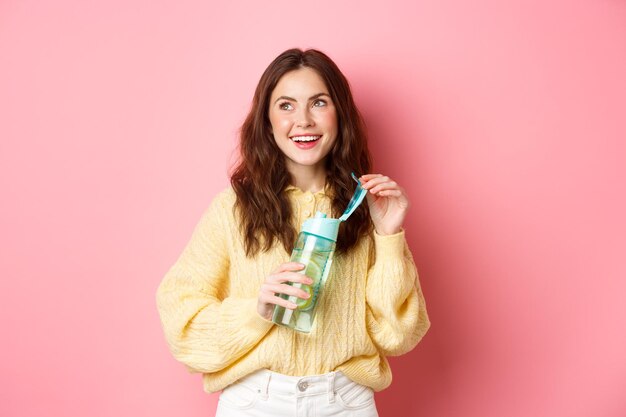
(295, 90)
(299, 145)
(303, 118)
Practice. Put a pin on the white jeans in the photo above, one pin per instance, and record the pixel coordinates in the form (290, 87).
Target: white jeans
(270, 394)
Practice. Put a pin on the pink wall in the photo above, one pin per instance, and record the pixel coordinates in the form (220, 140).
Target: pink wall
(504, 120)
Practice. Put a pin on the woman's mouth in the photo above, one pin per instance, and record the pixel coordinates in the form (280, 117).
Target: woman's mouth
(305, 141)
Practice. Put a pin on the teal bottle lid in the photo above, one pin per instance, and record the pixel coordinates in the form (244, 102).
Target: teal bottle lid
(322, 226)
(355, 201)
(327, 228)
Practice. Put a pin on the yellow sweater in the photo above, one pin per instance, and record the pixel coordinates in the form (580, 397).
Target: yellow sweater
(372, 305)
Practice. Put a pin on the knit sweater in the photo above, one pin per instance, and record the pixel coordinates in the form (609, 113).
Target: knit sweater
(372, 305)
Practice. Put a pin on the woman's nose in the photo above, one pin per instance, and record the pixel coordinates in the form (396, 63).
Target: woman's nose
(304, 118)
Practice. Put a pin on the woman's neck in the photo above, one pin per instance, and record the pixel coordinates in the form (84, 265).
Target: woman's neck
(308, 178)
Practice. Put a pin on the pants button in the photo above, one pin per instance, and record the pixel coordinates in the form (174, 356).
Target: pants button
(302, 386)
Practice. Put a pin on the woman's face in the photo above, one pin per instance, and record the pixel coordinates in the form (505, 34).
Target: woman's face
(303, 118)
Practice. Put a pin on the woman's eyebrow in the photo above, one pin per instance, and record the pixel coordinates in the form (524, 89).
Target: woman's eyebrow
(284, 98)
(313, 97)
(318, 95)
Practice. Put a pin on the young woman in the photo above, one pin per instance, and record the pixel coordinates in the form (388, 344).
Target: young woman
(300, 142)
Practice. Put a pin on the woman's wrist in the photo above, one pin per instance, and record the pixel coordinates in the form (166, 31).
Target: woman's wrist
(387, 232)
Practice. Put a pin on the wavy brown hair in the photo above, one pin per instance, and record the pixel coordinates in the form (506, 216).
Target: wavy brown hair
(260, 176)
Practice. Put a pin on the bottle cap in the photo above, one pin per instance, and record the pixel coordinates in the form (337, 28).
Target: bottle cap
(327, 228)
(322, 226)
(355, 201)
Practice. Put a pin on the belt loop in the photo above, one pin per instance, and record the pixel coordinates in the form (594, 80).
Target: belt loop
(331, 387)
(264, 389)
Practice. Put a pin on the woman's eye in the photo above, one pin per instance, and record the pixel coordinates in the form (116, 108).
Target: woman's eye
(285, 106)
(319, 103)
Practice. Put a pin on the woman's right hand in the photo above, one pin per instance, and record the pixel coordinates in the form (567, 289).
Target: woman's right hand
(275, 284)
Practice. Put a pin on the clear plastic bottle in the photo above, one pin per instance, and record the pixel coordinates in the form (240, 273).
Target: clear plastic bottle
(314, 249)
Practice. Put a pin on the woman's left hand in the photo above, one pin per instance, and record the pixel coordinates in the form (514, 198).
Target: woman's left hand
(387, 201)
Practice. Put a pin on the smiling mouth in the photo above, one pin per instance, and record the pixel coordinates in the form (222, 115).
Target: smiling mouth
(308, 138)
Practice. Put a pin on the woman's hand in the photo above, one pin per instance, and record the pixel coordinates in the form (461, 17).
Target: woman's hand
(387, 201)
(275, 284)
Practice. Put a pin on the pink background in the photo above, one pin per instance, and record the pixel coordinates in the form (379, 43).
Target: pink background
(505, 121)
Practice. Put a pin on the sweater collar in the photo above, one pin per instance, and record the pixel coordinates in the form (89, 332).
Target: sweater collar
(297, 191)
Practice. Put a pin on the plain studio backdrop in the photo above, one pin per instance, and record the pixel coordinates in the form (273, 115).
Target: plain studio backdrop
(504, 120)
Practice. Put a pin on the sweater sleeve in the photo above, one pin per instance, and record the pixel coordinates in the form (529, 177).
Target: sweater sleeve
(205, 328)
(396, 315)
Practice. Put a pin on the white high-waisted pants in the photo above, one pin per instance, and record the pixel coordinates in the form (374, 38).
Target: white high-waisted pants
(270, 394)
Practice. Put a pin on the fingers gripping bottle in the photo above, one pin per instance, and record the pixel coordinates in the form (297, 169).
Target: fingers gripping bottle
(314, 248)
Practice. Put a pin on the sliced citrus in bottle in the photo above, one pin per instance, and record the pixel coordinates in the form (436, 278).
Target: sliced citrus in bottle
(312, 271)
(304, 303)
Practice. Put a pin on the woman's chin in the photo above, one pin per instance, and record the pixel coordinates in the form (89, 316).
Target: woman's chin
(301, 162)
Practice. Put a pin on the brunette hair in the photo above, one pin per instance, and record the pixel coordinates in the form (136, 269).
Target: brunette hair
(261, 176)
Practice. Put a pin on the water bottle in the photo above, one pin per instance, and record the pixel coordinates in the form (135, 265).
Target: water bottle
(314, 249)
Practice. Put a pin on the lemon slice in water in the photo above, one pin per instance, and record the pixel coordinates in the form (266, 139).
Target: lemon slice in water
(312, 271)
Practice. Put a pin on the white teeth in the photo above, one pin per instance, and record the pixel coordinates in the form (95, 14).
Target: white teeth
(305, 138)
